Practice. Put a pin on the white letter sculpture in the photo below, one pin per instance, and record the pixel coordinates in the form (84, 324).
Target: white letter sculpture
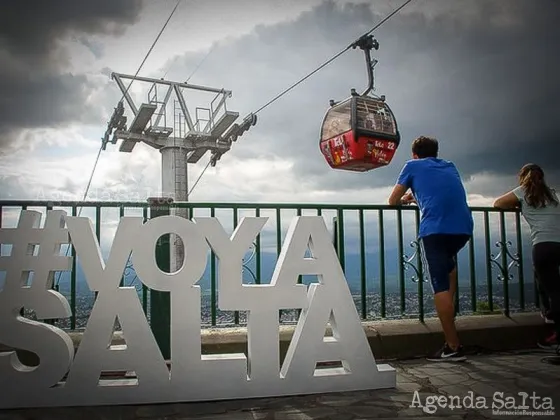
(65, 379)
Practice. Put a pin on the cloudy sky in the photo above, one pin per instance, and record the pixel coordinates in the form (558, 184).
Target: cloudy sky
(481, 76)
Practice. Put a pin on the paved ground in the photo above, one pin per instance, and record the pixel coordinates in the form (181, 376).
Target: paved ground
(481, 376)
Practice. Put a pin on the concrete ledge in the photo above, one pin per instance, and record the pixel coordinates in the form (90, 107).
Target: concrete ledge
(391, 339)
(404, 339)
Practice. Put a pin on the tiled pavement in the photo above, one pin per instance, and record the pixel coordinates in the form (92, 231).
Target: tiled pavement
(481, 376)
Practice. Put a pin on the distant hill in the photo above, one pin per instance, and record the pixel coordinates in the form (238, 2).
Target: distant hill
(353, 275)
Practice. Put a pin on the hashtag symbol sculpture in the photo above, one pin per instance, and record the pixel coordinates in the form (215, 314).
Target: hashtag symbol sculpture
(22, 333)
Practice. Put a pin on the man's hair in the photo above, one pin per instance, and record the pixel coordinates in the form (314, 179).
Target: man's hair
(425, 147)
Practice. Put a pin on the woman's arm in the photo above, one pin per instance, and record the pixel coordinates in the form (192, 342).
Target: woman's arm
(507, 201)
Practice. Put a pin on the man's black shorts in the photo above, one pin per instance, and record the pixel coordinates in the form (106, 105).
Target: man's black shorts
(439, 257)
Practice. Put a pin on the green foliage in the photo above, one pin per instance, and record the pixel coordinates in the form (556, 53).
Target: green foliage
(483, 308)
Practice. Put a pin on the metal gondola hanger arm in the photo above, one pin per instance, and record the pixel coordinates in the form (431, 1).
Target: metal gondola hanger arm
(367, 43)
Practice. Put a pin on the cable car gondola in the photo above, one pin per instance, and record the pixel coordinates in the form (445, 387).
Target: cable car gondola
(360, 133)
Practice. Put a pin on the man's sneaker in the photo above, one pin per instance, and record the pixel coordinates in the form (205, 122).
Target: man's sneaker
(446, 354)
(550, 342)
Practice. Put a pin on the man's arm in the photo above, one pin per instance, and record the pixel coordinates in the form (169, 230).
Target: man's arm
(404, 182)
(408, 198)
(397, 195)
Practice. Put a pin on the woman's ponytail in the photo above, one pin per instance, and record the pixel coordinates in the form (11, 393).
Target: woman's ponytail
(537, 193)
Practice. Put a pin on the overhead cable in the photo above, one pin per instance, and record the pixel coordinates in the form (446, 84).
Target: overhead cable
(326, 63)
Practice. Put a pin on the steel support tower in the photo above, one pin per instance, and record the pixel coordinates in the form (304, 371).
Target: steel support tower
(211, 129)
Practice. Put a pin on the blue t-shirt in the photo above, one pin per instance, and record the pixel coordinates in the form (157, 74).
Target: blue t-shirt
(440, 194)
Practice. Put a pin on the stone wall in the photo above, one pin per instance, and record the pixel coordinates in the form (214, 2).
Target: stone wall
(394, 339)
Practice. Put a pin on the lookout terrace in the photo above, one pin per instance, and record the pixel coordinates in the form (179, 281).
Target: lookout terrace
(215, 210)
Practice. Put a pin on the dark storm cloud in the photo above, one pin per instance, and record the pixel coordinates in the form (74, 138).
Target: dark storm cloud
(30, 28)
(483, 80)
(36, 89)
(493, 98)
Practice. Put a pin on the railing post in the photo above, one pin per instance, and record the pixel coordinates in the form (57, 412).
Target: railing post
(335, 233)
(340, 238)
(160, 302)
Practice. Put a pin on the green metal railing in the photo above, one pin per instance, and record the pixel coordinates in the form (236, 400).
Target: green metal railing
(371, 242)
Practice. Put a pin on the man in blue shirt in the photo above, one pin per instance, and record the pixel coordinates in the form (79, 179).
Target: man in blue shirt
(446, 225)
